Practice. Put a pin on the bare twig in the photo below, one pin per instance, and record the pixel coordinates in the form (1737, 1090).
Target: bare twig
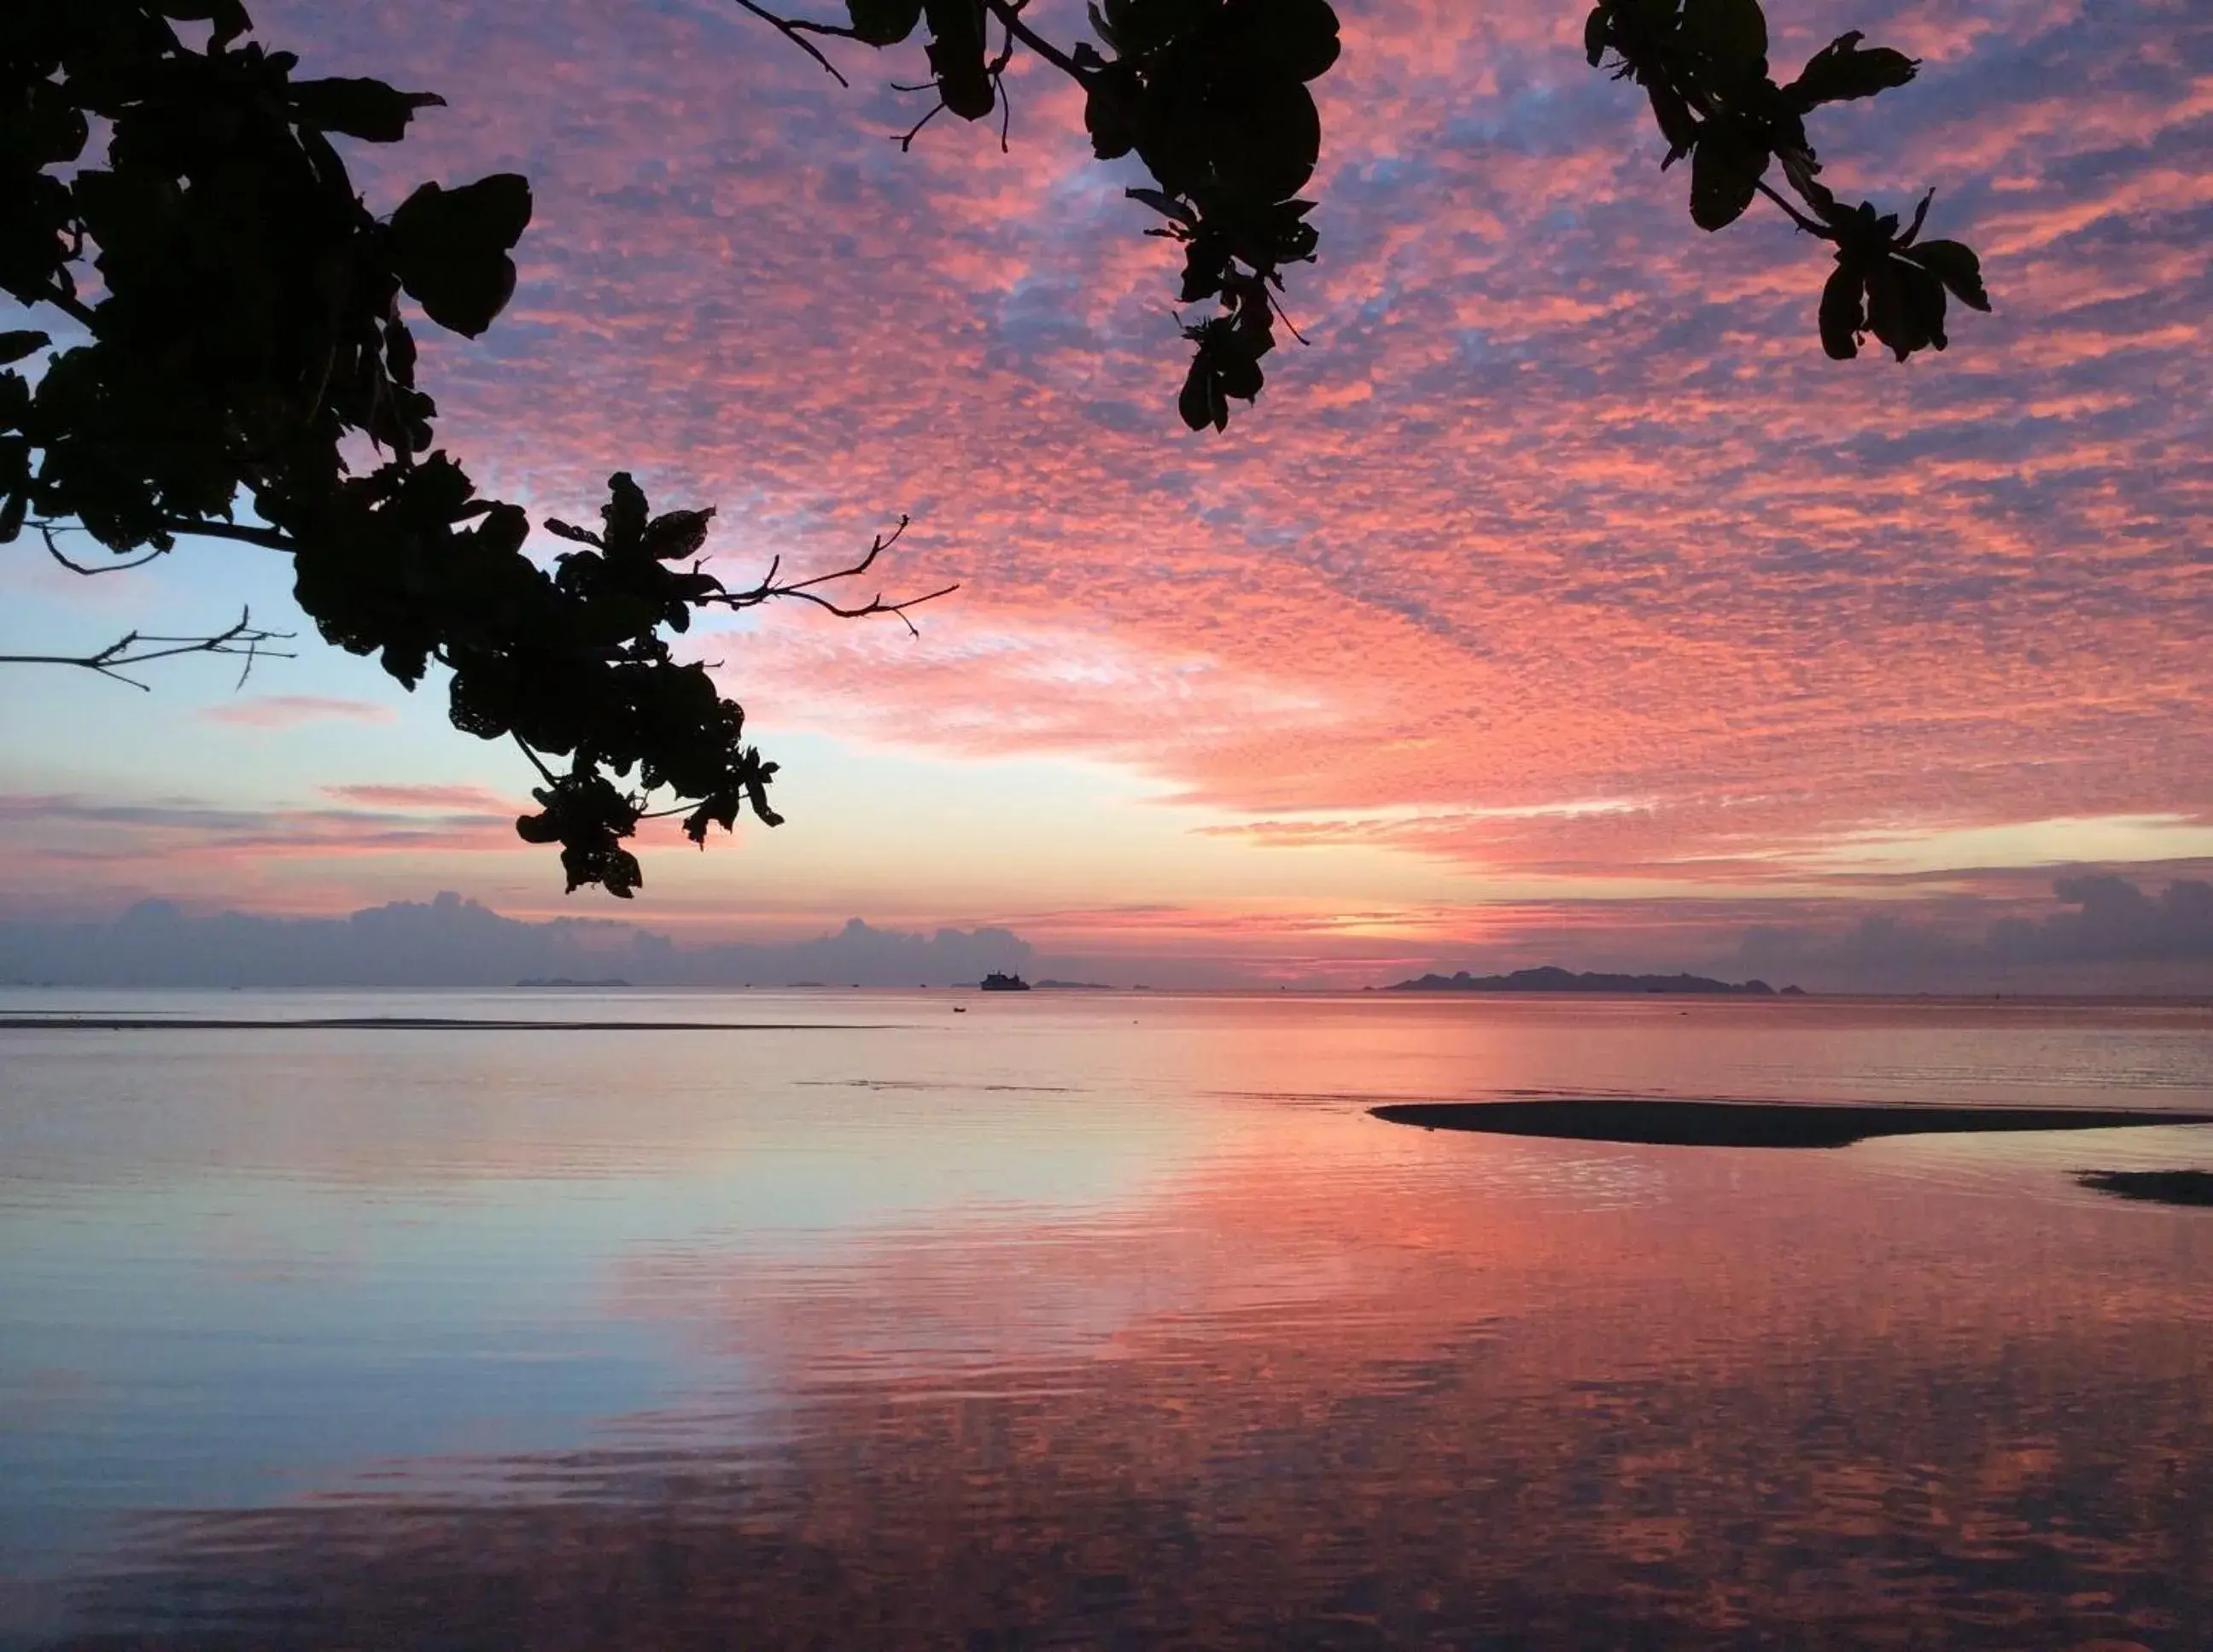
(243, 640)
(269, 538)
(1006, 103)
(46, 531)
(769, 589)
(796, 29)
(996, 69)
(1809, 225)
(1276, 304)
(877, 547)
(1010, 14)
(875, 605)
(905, 140)
(523, 746)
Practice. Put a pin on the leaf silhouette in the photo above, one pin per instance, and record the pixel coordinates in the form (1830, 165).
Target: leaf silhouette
(449, 248)
(1957, 267)
(884, 23)
(1725, 172)
(1840, 71)
(361, 108)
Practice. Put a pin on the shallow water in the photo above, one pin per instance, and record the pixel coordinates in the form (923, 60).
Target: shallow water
(1088, 1319)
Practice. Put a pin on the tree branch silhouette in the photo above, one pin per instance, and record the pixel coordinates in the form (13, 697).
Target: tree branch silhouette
(1212, 97)
(796, 30)
(244, 639)
(771, 588)
(254, 316)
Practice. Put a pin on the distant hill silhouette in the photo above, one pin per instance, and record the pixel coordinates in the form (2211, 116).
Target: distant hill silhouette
(453, 942)
(1552, 978)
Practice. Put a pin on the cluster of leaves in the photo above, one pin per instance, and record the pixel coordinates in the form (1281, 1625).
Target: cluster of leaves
(1702, 63)
(248, 333)
(966, 78)
(408, 563)
(1212, 96)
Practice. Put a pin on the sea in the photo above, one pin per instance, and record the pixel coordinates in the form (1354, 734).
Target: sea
(844, 1319)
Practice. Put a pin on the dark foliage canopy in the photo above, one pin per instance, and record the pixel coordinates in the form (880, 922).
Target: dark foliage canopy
(249, 335)
(243, 340)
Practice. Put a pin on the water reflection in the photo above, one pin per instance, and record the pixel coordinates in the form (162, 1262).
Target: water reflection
(1030, 1342)
(1257, 1414)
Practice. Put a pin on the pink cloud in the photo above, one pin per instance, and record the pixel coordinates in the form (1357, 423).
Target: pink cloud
(475, 799)
(289, 710)
(187, 838)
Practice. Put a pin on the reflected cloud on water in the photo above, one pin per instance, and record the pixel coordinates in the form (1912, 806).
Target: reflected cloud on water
(1275, 1406)
(1061, 1332)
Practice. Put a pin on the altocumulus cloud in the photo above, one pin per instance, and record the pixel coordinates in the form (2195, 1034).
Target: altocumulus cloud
(1565, 504)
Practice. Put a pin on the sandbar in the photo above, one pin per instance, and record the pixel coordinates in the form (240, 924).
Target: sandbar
(1668, 1123)
(2153, 1186)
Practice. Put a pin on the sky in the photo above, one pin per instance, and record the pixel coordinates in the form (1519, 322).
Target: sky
(1561, 602)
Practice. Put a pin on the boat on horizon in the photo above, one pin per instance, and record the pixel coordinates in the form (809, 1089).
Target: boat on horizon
(997, 982)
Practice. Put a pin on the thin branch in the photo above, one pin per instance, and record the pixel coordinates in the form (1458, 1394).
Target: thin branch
(906, 141)
(768, 590)
(523, 746)
(46, 531)
(1010, 15)
(875, 605)
(996, 69)
(269, 538)
(244, 640)
(1920, 218)
(1810, 226)
(808, 26)
(877, 547)
(797, 31)
(1008, 12)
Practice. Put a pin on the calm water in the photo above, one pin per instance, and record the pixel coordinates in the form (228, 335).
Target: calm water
(1088, 1319)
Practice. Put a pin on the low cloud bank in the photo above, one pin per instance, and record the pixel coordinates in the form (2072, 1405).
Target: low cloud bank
(2110, 936)
(2114, 936)
(454, 942)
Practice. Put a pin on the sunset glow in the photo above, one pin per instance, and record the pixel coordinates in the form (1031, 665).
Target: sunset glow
(1562, 603)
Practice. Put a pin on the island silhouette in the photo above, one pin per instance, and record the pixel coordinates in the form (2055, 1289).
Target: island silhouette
(1550, 978)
